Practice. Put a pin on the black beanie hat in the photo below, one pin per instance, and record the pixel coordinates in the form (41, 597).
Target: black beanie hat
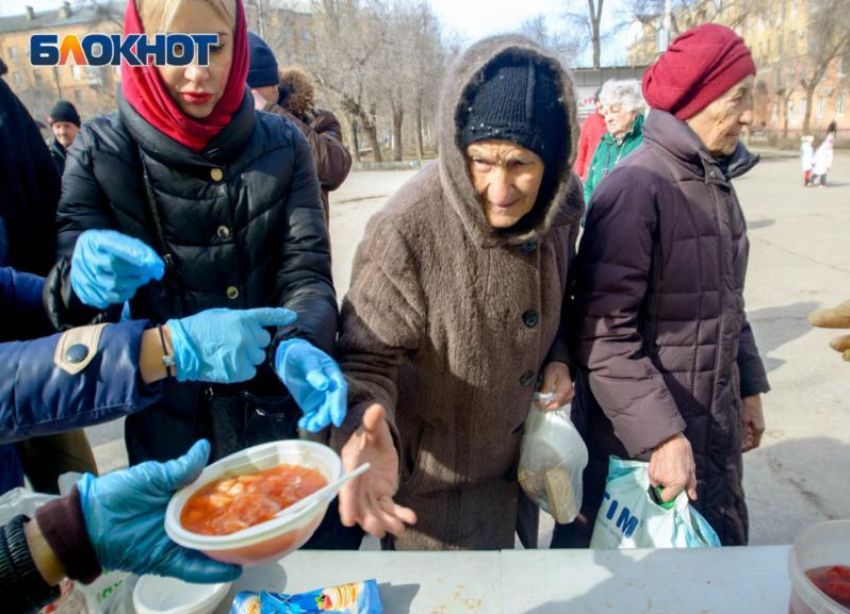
(262, 65)
(516, 100)
(64, 111)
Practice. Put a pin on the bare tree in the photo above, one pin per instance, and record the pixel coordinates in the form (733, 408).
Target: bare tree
(590, 21)
(537, 29)
(828, 40)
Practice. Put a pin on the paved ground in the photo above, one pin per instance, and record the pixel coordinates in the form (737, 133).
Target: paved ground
(799, 262)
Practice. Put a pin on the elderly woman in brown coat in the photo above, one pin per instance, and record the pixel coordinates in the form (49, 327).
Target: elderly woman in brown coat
(669, 371)
(454, 316)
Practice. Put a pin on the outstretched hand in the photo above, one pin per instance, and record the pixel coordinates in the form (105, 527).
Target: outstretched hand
(368, 499)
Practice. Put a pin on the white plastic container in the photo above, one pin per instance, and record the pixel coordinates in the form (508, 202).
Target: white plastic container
(822, 545)
(156, 595)
(269, 540)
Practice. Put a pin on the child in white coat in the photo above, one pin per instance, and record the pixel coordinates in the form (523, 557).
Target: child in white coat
(807, 158)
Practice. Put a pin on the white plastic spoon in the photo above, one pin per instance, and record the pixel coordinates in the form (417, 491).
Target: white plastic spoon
(322, 492)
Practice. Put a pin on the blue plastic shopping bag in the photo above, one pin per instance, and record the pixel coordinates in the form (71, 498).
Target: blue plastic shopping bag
(629, 518)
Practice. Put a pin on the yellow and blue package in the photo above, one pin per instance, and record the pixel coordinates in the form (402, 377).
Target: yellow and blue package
(353, 598)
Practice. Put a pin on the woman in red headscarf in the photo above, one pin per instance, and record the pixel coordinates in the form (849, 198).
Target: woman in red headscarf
(228, 199)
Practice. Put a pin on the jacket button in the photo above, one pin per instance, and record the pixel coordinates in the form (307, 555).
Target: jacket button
(217, 174)
(530, 318)
(529, 247)
(232, 293)
(223, 232)
(527, 378)
(76, 353)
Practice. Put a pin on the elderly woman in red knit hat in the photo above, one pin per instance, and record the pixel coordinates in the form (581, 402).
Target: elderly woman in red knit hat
(669, 371)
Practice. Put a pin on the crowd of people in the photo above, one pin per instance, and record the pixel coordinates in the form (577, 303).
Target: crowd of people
(189, 289)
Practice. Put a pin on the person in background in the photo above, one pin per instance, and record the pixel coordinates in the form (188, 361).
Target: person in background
(289, 93)
(668, 367)
(592, 130)
(114, 522)
(65, 124)
(623, 109)
(835, 317)
(824, 157)
(807, 158)
(455, 316)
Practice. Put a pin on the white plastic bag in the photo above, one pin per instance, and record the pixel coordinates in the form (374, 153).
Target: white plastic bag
(552, 459)
(629, 518)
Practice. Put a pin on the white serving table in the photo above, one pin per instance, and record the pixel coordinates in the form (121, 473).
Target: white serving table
(750, 580)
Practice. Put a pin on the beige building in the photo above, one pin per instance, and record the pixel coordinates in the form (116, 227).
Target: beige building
(778, 35)
(91, 89)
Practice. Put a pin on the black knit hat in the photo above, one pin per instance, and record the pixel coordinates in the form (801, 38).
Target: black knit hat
(262, 67)
(516, 100)
(64, 111)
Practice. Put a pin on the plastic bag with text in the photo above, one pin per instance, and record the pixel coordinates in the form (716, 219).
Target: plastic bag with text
(629, 518)
(552, 459)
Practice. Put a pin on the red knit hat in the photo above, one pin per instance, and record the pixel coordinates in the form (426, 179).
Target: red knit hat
(698, 67)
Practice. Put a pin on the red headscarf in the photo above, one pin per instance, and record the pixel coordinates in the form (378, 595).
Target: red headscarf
(698, 68)
(144, 89)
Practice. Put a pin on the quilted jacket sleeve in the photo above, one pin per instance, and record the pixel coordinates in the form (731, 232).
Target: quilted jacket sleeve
(83, 206)
(39, 398)
(383, 320)
(304, 279)
(612, 277)
(753, 374)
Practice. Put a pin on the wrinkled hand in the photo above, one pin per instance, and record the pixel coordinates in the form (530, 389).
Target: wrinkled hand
(672, 467)
(752, 416)
(557, 381)
(368, 500)
(107, 267)
(315, 382)
(124, 513)
(835, 317)
(224, 345)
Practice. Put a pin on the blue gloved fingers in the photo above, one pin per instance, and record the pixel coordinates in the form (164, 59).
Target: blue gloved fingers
(197, 568)
(175, 474)
(261, 337)
(132, 251)
(338, 400)
(318, 380)
(256, 356)
(273, 316)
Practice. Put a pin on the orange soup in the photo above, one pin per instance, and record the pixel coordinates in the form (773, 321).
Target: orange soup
(232, 504)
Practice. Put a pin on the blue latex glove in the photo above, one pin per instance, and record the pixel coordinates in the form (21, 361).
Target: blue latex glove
(224, 345)
(125, 518)
(108, 267)
(315, 382)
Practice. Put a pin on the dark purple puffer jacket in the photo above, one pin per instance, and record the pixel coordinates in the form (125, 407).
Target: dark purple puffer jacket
(663, 343)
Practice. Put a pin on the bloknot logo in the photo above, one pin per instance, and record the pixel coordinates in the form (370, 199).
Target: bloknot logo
(112, 49)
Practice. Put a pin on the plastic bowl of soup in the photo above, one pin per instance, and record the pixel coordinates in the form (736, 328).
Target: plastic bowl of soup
(228, 513)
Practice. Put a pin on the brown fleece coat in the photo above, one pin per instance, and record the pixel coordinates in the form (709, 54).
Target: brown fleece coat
(322, 129)
(449, 323)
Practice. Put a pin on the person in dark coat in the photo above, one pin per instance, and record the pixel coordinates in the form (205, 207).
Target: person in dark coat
(229, 200)
(289, 93)
(669, 371)
(30, 184)
(65, 124)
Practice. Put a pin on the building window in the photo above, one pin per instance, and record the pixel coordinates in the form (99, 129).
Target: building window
(13, 54)
(77, 71)
(777, 72)
(774, 116)
(37, 79)
(821, 108)
(844, 66)
(92, 74)
(781, 45)
(17, 79)
(803, 105)
(789, 110)
(78, 98)
(842, 100)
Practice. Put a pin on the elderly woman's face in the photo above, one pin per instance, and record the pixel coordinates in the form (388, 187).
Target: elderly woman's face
(507, 178)
(719, 125)
(618, 120)
(197, 89)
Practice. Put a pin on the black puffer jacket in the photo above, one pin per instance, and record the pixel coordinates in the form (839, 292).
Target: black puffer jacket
(242, 226)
